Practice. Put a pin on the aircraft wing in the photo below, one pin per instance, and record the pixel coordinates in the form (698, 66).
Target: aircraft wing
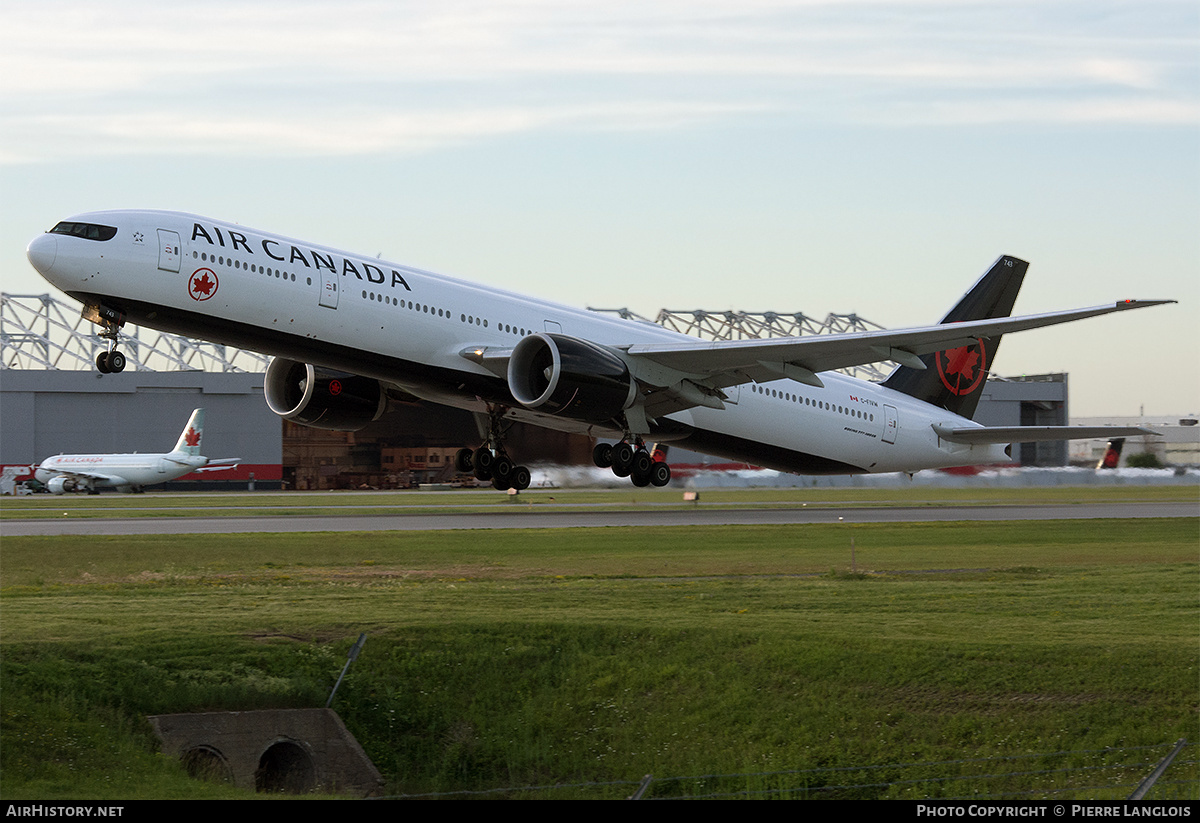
(680, 375)
(89, 477)
(693, 374)
(730, 362)
(980, 435)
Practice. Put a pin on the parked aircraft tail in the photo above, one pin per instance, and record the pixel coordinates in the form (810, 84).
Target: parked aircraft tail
(1112, 454)
(189, 438)
(953, 379)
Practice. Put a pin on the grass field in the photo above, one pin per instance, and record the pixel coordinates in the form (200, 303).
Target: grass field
(516, 658)
(175, 504)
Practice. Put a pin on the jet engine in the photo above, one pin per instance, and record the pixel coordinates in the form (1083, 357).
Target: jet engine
(322, 398)
(61, 484)
(566, 376)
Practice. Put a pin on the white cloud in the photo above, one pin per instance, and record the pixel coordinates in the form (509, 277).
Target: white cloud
(1101, 110)
(103, 77)
(346, 133)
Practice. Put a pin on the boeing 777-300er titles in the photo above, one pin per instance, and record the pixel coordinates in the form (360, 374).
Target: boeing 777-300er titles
(130, 472)
(349, 332)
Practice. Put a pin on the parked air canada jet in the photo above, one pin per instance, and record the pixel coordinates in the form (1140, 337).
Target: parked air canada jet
(349, 332)
(130, 472)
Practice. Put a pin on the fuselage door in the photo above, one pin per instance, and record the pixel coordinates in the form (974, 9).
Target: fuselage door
(891, 422)
(329, 289)
(168, 250)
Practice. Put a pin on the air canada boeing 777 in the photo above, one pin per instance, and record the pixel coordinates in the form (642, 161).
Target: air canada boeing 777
(349, 332)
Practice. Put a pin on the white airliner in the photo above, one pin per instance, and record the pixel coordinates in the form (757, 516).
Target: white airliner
(349, 332)
(130, 472)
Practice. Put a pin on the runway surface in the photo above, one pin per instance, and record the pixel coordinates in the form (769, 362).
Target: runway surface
(522, 518)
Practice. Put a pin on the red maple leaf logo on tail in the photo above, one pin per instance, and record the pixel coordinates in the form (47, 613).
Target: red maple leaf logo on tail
(962, 369)
(962, 361)
(191, 437)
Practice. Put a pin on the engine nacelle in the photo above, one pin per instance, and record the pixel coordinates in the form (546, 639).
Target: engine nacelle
(61, 484)
(566, 376)
(322, 398)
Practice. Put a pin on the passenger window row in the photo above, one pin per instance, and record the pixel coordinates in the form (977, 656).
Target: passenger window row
(254, 268)
(424, 308)
(808, 401)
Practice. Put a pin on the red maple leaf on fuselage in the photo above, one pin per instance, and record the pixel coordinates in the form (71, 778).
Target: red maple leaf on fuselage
(203, 285)
(191, 437)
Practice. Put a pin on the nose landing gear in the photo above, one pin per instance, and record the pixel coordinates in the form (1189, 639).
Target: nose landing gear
(111, 361)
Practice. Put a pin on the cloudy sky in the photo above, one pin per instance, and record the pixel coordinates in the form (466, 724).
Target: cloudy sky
(852, 156)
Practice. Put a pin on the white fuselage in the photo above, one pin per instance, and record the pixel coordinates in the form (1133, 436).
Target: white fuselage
(119, 471)
(408, 328)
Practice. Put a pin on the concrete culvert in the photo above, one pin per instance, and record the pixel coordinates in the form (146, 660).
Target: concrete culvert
(206, 763)
(285, 767)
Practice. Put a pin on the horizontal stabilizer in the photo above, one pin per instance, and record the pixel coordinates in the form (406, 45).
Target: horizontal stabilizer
(982, 435)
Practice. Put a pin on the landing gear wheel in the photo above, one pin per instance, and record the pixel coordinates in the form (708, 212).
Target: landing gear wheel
(602, 455)
(116, 362)
(501, 484)
(464, 462)
(660, 474)
(622, 454)
(521, 478)
(639, 479)
(622, 459)
(503, 468)
(484, 460)
(642, 464)
(102, 363)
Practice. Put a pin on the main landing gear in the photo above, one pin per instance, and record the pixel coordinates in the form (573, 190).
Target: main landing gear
(632, 460)
(494, 464)
(491, 462)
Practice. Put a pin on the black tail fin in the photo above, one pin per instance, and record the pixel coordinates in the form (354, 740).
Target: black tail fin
(954, 379)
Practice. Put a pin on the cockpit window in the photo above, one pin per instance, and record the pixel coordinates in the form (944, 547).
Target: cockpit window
(88, 231)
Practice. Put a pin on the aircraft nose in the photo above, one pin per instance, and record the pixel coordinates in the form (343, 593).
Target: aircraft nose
(42, 253)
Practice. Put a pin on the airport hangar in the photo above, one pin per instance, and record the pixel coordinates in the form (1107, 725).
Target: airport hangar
(53, 401)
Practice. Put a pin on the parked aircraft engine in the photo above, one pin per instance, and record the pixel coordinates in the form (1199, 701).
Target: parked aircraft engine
(322, 398)
(60, 484)
(566, 376)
